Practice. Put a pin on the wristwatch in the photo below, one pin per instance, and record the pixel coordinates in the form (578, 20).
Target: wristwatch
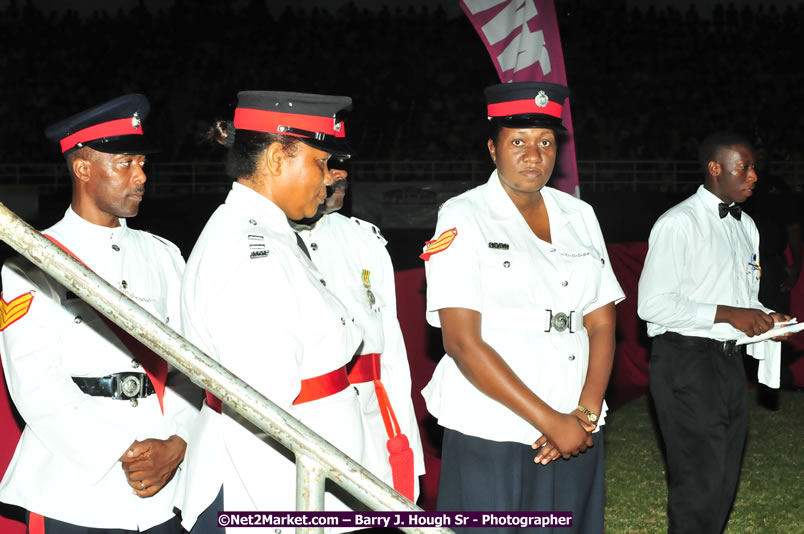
(589, 415)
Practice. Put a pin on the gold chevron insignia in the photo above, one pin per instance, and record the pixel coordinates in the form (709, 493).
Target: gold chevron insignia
(14, 310)
(439, 244)
(365, 278)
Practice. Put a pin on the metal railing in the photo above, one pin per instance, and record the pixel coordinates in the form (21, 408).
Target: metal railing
(317, 460)
(189, 178)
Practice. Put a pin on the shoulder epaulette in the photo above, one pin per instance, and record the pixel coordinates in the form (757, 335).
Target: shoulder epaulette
(369, 228)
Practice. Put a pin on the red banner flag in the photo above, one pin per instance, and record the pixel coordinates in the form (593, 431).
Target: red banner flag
(522, 39)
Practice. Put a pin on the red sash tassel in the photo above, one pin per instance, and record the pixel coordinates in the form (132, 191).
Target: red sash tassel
(367, 369)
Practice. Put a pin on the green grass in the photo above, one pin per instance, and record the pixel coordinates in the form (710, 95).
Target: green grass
(770, 497)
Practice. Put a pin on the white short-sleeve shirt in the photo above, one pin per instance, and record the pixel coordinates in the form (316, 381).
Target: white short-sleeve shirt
(520, 284)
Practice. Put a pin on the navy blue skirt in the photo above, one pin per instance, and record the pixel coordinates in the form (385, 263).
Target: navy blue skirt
(481, 475)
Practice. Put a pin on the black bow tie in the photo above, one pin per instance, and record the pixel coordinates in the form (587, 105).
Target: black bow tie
(735, 210)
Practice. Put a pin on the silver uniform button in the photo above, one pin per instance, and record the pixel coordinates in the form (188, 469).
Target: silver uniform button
(134, 403)
(506, 264)
(314, 246)
(252, 222)
(343, 321)
(124, 284)
(135, 364)
(323, 282)
(565, 283)
(115, 248)
(571, 357)
(78, 319)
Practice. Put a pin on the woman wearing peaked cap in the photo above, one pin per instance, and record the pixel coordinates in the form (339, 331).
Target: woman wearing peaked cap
(253, 301)
(518, 280)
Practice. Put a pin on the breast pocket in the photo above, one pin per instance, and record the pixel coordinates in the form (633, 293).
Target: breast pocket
(581, 276)
(368, 298)
(507, 277)
(90, 348)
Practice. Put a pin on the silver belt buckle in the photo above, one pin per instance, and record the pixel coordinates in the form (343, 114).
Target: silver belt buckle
(129, 386)
(729, 346)
(560, 321)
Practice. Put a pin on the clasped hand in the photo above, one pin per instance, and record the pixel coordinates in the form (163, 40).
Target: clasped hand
(151, 463)
(568, 435)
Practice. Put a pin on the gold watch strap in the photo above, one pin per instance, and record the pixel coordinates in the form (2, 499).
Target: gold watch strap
(588, 413)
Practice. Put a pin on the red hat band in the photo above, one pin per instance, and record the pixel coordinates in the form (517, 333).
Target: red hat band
(127, 126)
(524, 107)
(259, 120)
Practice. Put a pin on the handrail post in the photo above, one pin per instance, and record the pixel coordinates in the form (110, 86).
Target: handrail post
(310, 481)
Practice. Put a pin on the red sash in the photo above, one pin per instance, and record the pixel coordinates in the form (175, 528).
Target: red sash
(153, 365)
(312, 389)
(36, 523)
(367, 369)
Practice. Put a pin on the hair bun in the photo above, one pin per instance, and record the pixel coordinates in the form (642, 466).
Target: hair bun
(221, 132)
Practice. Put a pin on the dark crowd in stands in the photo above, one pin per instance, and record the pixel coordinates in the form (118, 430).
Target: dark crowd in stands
(646, 82)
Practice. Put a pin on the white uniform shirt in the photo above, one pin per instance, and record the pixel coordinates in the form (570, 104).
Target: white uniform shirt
(66, 463)
(696, 261)
(352, 256)
(498, 267)
(252, 300)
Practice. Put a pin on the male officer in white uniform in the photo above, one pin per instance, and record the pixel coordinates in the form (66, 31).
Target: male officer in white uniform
(105, 422)
(351, 254)
(698, 292)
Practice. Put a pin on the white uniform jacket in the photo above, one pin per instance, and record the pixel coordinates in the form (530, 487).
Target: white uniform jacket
(66, 464)
(352, 256)
(497, 266)
(696, 261)
(252, 301)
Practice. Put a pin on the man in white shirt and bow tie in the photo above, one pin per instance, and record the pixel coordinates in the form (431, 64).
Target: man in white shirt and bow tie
(698, 293)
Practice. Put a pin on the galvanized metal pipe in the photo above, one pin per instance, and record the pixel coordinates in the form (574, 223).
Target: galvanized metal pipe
(310, 482)
(200, 368)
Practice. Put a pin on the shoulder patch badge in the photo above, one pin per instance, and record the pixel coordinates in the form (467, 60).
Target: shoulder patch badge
(13, 311)
(439, 244)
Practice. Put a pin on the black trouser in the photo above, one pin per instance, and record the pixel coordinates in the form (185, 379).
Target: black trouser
(54, 526)
(207, 522)
(700, 397)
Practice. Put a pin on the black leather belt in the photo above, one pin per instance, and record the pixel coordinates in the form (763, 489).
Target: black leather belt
(118, 386)
(728, 347)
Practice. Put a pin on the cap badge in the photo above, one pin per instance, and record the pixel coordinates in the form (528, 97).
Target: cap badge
(542, 99)
(336, 124)
(135, 121)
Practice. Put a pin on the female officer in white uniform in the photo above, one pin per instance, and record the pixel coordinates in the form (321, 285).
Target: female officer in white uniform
(252, 300)
(519, 281)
